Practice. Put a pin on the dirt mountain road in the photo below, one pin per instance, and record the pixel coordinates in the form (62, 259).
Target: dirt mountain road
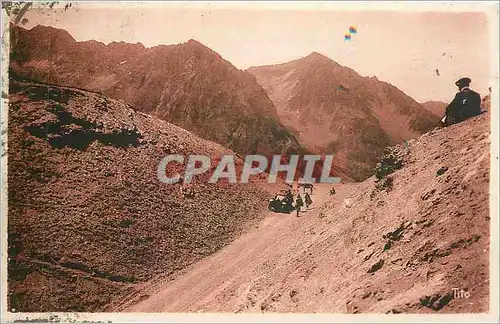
(231, 279)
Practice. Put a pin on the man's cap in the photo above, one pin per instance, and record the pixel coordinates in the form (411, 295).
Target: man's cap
(463, 82)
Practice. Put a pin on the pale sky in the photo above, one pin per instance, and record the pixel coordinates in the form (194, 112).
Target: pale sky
(400, 47)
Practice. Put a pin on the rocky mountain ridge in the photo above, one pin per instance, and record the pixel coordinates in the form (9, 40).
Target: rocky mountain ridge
(335, 110)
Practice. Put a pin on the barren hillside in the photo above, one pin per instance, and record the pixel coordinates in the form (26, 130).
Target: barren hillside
(396, 246)
(334, 110)
(88, 217)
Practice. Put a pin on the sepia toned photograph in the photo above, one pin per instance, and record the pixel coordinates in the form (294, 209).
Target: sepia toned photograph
(249, 158)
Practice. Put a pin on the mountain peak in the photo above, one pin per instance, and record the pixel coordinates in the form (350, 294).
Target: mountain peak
(55, 32)
(194, 42)
(318, 55)
(316, 58)
(196, 46)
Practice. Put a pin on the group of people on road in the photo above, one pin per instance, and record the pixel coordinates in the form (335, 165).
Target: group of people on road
(287, 204)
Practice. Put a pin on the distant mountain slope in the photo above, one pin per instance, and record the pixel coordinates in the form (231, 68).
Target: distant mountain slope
(334, 109)
(435, 107)
(187, 84)
(88, 217)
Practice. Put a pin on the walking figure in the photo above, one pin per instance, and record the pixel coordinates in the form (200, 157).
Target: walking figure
(298, 204)
(308, 200)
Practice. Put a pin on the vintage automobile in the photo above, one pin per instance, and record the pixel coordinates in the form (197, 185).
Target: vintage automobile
(281, 204)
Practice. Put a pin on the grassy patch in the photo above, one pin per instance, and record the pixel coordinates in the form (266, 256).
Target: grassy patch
(389, 163)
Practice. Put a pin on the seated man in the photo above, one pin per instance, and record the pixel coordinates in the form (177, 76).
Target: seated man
(466, 104)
